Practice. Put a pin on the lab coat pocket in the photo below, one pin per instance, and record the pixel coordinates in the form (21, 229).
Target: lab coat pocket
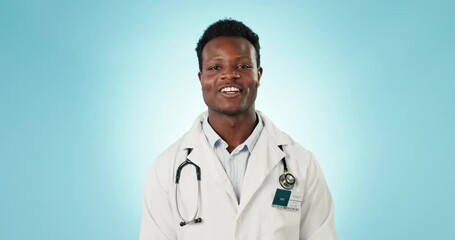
(279, 223)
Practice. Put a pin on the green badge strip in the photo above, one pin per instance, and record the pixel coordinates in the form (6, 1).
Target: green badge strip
(281, 198)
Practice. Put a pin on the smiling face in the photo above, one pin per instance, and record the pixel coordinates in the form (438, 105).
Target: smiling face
(229, 76)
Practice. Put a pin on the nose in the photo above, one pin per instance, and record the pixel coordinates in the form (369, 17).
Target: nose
(230, 73)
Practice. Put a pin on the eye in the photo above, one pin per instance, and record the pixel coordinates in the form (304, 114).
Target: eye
(214, 68)
(244, 66)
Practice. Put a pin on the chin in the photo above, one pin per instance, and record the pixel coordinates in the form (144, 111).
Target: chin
(231, 111)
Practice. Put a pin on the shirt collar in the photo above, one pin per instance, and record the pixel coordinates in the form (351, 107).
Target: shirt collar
(213, 138)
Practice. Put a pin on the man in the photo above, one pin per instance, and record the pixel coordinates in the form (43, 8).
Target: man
(255, 181)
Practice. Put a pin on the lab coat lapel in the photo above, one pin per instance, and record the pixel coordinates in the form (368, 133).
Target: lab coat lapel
(210, 166)
(265, 156)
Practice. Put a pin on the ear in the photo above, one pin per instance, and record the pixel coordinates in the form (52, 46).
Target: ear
(199, 75)
(260, 70)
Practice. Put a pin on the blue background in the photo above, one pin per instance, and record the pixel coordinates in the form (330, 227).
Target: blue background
(92, 91)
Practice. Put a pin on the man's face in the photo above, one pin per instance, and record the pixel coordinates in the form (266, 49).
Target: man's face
(229, 76)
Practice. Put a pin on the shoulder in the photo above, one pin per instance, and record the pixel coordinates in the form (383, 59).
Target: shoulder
(161, 171)
(166, 157)
(282, 138)
(295, 152)
(163, 166)
(302, 157)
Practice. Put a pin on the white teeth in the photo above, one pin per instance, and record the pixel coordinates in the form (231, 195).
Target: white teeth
(230, 89)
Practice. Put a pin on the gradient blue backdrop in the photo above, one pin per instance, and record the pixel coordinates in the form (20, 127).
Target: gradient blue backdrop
(92, 91)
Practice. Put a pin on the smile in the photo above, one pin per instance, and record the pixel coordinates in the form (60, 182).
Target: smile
(230, 89)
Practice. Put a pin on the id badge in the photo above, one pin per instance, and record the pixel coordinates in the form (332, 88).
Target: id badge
(287, 200)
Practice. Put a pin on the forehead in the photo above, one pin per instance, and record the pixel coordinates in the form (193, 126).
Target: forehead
(222, 46)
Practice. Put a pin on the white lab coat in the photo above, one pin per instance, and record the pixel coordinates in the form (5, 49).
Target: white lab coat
(223, 218)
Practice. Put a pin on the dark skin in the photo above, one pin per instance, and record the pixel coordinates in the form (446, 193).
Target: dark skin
(229, 79)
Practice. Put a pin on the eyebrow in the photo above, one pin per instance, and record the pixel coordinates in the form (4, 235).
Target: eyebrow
(236, 58)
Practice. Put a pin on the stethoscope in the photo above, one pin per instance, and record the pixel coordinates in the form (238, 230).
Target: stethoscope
(287, 181)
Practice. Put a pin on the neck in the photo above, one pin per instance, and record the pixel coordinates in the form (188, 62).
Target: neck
(233, 129)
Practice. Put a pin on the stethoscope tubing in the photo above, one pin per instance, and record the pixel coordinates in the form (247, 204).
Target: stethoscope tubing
(194, 219)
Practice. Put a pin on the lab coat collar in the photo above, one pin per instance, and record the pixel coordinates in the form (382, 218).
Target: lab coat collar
(279, 137)
(192, 136)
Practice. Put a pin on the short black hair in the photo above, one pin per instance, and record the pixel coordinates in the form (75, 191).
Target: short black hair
(227, 28)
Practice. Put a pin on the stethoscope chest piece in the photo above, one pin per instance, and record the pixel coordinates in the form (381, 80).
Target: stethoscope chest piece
(287, 180)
